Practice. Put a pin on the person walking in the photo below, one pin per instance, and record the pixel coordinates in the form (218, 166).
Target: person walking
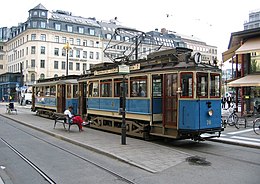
(229, 101)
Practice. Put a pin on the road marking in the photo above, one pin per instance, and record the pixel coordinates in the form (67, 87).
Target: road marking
(239, 132)
(246, 138)
(239, 141)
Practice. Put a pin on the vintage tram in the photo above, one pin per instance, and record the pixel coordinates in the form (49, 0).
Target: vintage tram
(55, 95)
(170, 94)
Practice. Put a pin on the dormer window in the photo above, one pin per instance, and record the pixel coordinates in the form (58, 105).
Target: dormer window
(43, 14)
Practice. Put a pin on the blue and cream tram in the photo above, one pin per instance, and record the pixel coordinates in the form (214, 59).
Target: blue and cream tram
(55, 95)
(169, 94)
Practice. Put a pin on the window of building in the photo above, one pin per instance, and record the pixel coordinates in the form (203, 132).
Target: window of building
(1, 67)
(138, 86)
(63, 65)
(109, 36)
(43, 37)
(63, 40)
(33, 48)
(85, 43)
(92, 31)
(33, 36)
(187, 85)
(42, 50)
(56, 39)
(34, 24)
(91, 43)
(32, 77)
(63, 52)
(71, 53)
(84, 66)
(70, 65)
(85, 54)
(71, 41)
(78, 42)
(55, 75)
(56, 51)
(77, 66)
(91, 55)
(81, 30)
(42, 76)
(42, 63)
(57, 26)
(97, 55)
(118, 37)
(56, 64)
(69, 28)
(33, 63)
(43, 24)
(78, 53)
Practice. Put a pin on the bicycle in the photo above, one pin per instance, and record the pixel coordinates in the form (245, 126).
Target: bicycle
(256, 126)
(232, 118)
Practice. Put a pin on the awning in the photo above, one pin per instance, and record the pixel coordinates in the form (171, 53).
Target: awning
(247, 81)
(229, 53)
(251, 45)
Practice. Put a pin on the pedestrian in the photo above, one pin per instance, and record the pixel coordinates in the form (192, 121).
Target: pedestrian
(223, 102)
(229, 101)
(3, 99)
(75, 119)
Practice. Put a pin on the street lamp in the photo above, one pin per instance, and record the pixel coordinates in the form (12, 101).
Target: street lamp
(67, 48)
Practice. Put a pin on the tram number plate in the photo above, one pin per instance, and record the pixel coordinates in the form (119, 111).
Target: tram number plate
(208, 122)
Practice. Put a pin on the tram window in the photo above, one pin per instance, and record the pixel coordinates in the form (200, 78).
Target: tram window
(93, 89)
(75, 91)
(47, 91)
(157, 86)
(139, 86)
(118, 85)
(53, 90)
(68, 91)
(215, 85)
(202, 85)
(186, 85)
(106, 88)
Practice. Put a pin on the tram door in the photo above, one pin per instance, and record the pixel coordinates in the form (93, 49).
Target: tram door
(169, 100)
(82, 98)
(61, 98)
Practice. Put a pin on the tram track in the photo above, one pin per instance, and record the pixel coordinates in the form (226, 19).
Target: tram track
(44, 175)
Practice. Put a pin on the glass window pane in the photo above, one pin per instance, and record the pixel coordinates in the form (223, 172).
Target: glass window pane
(186, 85)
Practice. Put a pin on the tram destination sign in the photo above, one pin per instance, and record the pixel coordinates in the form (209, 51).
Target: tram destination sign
(120, 70)
(123, 69)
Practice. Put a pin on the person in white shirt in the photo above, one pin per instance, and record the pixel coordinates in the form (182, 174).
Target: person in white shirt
(74, 119)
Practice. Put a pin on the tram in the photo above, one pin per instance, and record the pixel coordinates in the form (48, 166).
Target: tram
(55, 95)
(170, 94)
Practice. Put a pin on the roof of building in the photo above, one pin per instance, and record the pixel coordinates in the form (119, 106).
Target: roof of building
(39, 7)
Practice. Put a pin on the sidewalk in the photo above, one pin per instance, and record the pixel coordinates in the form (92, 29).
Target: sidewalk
(137, 152)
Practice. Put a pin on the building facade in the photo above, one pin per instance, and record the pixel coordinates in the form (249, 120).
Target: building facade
(254, 20)
(38, 47)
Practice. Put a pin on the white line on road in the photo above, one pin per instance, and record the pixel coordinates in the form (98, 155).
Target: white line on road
(246, 138)
(239, 132)
(238, 141)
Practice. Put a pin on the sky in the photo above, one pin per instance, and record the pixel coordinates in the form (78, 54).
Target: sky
(210, 21)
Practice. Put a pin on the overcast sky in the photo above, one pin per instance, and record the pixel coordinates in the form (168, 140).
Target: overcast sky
(211, 21)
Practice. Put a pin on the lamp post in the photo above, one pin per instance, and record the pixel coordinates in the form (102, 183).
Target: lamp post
(67, 48)
(123, 69)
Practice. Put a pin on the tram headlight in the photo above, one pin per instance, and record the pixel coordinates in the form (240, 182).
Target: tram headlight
(210, 112)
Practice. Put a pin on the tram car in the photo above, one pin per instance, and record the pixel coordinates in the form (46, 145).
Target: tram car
(170, 94)
(55, 95)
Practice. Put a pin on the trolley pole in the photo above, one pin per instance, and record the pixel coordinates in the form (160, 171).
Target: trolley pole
(123, 137)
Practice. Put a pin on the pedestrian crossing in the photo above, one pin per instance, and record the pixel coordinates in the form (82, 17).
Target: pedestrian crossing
(238, 138)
